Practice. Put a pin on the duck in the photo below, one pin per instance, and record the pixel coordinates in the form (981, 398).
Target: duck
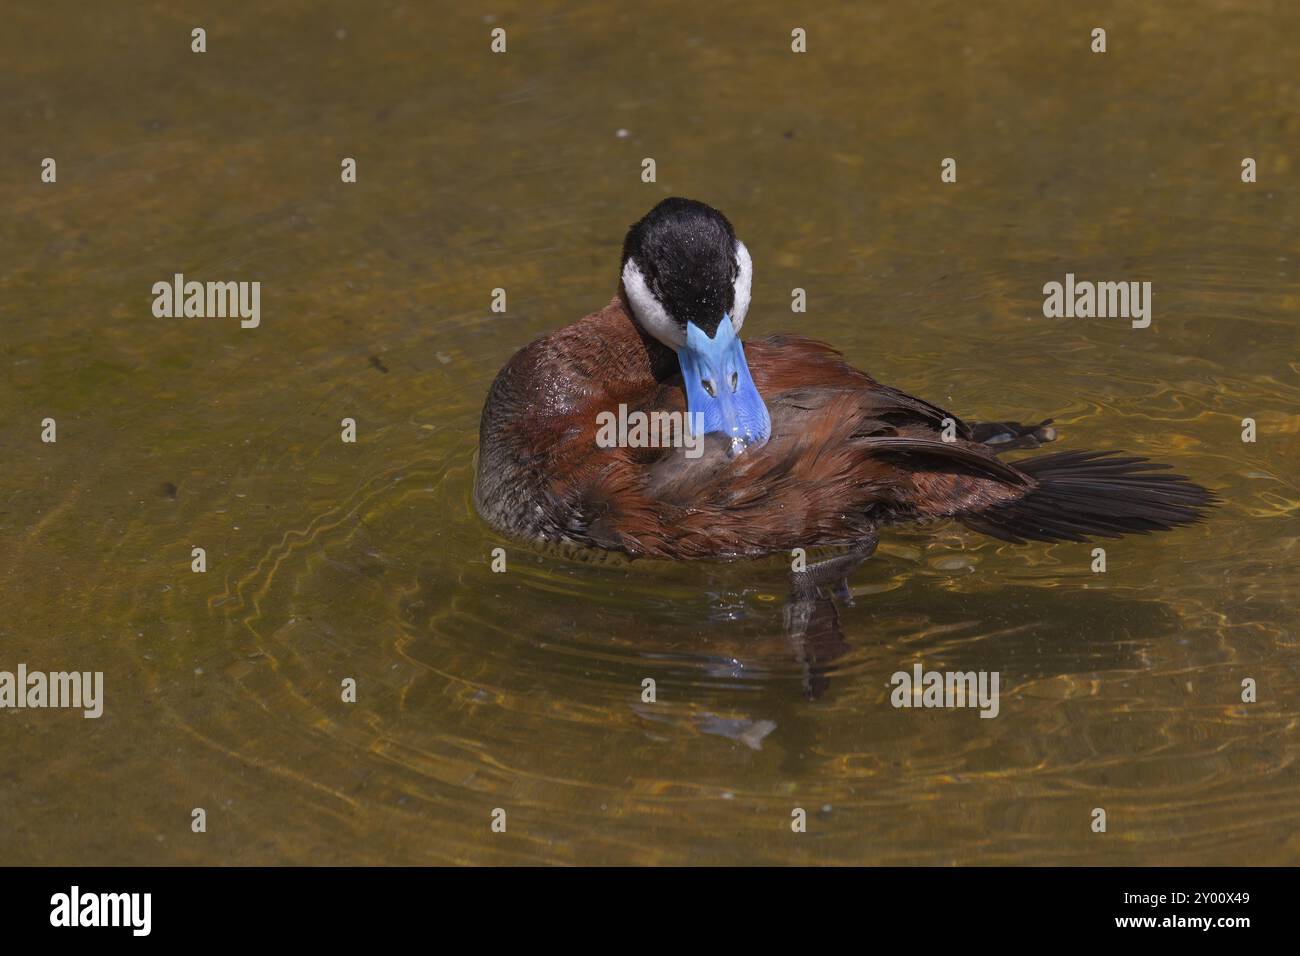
(797, 448)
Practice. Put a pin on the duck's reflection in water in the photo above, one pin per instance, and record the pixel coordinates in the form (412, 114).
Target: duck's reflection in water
(732, 656)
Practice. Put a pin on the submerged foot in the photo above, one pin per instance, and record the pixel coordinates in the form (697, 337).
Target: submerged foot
(833, 573)
(1005, 436)
(812, 622)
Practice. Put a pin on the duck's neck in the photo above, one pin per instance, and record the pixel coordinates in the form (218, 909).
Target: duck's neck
(637, 359)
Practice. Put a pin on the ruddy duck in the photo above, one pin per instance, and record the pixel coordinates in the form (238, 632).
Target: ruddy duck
(800, 449)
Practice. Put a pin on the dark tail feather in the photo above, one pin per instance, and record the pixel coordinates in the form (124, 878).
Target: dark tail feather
(1093, 493)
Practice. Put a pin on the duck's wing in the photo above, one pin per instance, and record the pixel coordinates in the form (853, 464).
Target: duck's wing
(846, 454)
(785, 365)
(773, 355)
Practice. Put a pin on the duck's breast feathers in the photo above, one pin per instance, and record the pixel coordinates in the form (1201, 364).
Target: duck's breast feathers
(536, 435)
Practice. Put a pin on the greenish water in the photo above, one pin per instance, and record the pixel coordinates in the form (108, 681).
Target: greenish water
(522, 690)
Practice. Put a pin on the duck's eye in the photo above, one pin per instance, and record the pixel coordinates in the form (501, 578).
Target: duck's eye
(708, 386)
(735, 379)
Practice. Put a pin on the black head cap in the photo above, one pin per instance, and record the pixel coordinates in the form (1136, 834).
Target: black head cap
(686, 253)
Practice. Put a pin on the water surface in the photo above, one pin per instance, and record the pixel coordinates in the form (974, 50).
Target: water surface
(522, 690)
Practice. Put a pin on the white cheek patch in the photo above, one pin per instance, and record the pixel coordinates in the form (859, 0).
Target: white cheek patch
(649, 311)
(744, 279)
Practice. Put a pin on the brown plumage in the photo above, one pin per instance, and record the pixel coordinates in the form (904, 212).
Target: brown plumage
(846, 456)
